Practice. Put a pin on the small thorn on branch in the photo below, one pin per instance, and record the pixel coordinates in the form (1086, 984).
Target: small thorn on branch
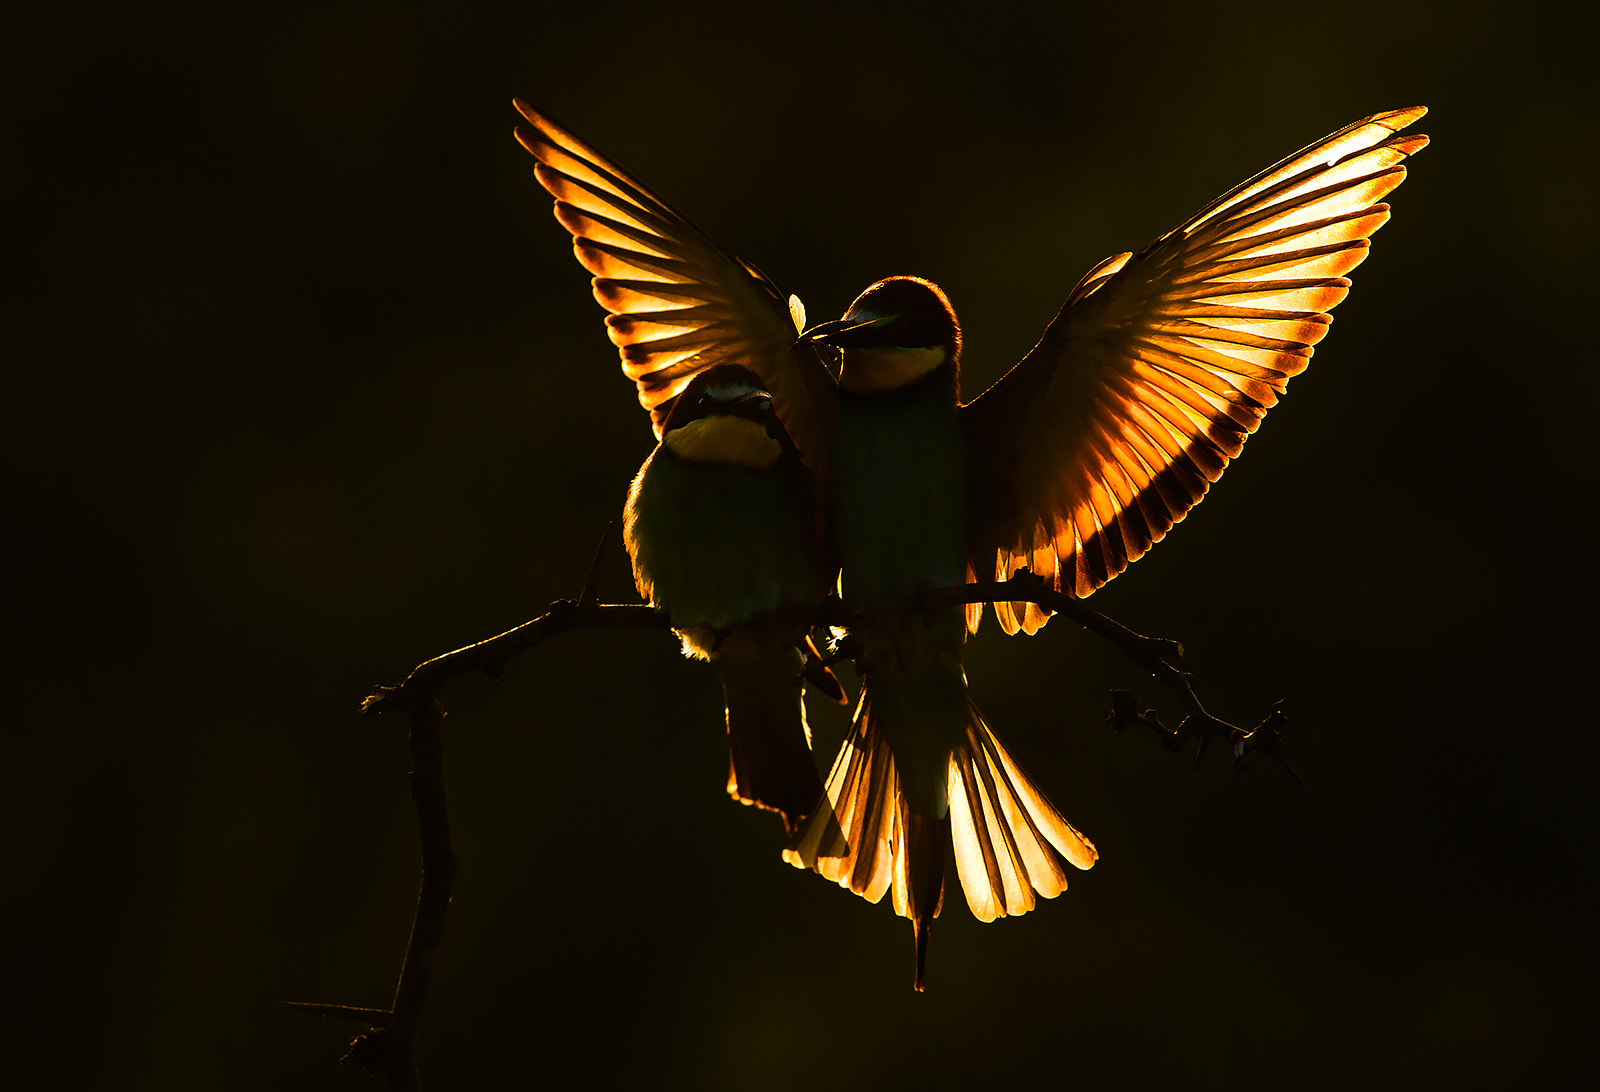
(1125, 713)
(383, 699)
(1204, 727)
(373, 1051)
(586, 596)
(1265, 738)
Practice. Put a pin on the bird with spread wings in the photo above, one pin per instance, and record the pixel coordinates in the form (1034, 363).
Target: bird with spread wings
(1146, 383)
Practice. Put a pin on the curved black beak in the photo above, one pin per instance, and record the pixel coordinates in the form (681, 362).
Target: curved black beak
(757, 406)
(829, 331)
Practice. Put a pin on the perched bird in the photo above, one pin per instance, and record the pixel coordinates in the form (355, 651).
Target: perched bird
(920, 772)
(720, 526)
(681, 308)
(1143, 387)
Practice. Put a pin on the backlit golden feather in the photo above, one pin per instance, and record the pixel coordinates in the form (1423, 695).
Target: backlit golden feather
(678, 302)
(1162, 363)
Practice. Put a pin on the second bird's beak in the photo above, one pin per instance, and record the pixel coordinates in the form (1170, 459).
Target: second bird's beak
(755, 406)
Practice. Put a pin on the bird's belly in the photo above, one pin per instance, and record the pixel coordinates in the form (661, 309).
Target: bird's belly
(898, 502)
(717, 546)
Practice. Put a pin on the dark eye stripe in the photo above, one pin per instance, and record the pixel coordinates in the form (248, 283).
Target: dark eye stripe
(914, 332)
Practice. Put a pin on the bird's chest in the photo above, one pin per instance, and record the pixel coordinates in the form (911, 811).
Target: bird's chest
(718, 545)
(898, 502)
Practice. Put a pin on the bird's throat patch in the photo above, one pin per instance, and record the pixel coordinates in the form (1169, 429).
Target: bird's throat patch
(729, 441)
(869, 370)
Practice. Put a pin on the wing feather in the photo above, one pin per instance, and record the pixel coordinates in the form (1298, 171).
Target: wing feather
(678, 302)
(1161, 364)
(1011, 845)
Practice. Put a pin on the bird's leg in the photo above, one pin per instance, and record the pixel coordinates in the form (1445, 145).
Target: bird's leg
(847, 645)
(815, 670)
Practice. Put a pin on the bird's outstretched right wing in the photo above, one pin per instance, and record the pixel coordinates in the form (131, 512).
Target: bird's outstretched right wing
(1161, 364)
(678, 302)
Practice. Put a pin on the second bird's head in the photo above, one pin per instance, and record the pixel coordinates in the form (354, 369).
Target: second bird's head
(895, 333)
(724, 416)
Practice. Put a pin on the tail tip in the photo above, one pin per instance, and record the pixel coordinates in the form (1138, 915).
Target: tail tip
(920, 930)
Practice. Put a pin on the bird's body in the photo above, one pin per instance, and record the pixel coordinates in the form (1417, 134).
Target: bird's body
(900, 517)
(903, 485)
(918, 744)
(717, 540)
(1144, 386)
(720, 529)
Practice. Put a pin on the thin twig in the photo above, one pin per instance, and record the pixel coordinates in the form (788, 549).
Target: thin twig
(371, 1017)
(428, 679)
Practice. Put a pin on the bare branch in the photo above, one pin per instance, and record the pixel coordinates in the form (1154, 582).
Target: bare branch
(425, 683)
(370, 1017)
(388, 1045)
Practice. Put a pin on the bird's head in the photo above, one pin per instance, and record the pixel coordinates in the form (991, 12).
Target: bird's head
(896, 332)
(724, 416)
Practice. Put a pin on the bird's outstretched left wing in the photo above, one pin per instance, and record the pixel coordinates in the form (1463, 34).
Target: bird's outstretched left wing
(679, 303)
(1162, 363)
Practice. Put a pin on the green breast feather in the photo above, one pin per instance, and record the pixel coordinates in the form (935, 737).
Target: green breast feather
(715, 545)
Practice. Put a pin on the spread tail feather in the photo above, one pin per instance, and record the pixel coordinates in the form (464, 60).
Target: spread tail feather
(860, 800)
(890, 843)
(1010, 842)
(919, 877)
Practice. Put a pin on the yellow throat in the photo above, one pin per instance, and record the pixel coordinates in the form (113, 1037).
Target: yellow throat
(737, 441)
(868, 370)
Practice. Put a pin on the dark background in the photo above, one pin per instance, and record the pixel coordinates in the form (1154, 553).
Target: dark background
(305, 387)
